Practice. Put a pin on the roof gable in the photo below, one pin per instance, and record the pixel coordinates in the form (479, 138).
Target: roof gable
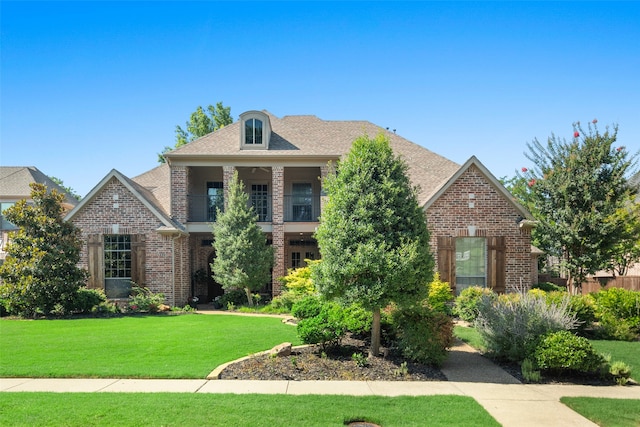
(473, 161)
(139, 192)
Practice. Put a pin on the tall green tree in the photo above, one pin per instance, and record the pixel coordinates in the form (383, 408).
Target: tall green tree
(67, 189)
(577, 186)
(626, 249)
(373, 234)
(200, 123)
(243, 258)
(41, 270)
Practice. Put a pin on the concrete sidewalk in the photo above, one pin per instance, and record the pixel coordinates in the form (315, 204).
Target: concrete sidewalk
(509, 404)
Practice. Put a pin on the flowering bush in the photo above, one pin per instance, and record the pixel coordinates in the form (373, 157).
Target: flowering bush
(143, 300)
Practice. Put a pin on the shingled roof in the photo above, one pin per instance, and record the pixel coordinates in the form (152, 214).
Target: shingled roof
(309, 136)
(15, 181)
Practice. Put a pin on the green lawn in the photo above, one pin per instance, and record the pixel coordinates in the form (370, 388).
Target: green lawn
(606, 412)
(186, 409)
(470, 336)
(628, 352)
(187, 346)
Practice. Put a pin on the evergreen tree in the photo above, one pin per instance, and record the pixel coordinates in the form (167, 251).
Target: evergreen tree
(577, 187)
(243, 258)
(373, 234)
(41, 270)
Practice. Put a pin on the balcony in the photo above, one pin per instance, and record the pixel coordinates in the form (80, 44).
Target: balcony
(297, 208)
(203, 208)
(302, 208)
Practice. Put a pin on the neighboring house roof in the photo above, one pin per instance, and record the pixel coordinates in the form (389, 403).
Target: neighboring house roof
(527, 218)
(15, 181)
(310, 137)
(144, 195)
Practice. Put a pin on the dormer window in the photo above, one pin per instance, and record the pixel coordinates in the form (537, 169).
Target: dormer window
(255, 131)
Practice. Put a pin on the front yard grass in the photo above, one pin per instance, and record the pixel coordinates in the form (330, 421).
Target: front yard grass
(187, 409)
(186, 346)
(628, 352)
(606, 412)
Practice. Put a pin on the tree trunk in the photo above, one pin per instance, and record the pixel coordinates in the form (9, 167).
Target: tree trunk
(374, 350)
(249, 296)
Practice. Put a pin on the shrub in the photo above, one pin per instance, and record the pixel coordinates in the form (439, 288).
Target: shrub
(235, 297)
(357, 320)
(423, 334)
(562, 350)
(326, 328)
(581, 306)
(621, 372)
(86, 299)
(440, 295)
(284, 301)
(537, 293)
(618, 311)
(549, 287)
(143, 300)
(298, 281)
(307, 307)
(529, 371)
(466, 304)
(611, 328)
(511, 328)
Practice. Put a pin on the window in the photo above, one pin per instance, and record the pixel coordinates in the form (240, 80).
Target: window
(471, 262)
(301, 201)
(4, 224)
(260, 201)
(295, 259)
(310, 256)
(215, 199)
(117, 265)
(253, 132)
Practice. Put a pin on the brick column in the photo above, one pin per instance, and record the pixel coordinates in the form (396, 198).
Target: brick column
(277, 202)
(179, 202)
(227, 176)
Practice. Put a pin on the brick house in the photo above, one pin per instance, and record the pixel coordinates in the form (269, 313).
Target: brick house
(15, 184)
(156, 228)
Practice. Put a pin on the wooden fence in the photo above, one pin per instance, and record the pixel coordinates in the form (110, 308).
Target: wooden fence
(631, 283)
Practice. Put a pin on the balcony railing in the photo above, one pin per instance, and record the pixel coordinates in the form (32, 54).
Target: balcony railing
(298, 208)
(202, 208)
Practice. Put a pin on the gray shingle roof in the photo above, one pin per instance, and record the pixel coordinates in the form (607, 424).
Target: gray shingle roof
(15, 181)
(309, 136)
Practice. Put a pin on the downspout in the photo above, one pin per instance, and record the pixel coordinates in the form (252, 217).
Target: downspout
(173, 269)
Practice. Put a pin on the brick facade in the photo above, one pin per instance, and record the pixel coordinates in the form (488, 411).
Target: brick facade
(473, 204)
(115, 210)
(176, 236)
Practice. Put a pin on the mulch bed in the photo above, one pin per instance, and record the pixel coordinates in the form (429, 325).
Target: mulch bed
(334, 363)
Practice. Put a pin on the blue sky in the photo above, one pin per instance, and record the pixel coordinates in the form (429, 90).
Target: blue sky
(91, 86)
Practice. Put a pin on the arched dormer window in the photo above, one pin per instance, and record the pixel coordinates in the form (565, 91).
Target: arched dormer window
(255, 131)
